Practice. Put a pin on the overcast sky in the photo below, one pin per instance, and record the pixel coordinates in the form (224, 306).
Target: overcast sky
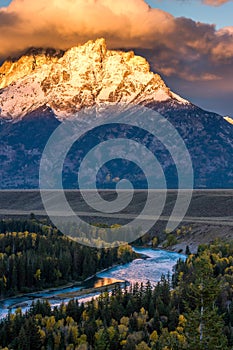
(189, 42)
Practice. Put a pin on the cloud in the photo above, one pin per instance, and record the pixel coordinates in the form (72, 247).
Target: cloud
(215, 2)
(68, 22)
(175, 47)
(7, 19)
(212, 2)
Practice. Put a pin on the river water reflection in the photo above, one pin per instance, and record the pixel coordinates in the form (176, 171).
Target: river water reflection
(158, 262)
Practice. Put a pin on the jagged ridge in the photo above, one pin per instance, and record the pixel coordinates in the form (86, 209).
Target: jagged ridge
(82, 76)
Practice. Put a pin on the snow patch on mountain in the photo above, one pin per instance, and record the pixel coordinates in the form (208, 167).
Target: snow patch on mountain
(228, 119)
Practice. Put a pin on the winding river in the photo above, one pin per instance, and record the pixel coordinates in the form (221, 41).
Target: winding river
(158, 262)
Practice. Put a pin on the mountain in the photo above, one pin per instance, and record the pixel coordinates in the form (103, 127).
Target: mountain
(83, 76)
(45, 86)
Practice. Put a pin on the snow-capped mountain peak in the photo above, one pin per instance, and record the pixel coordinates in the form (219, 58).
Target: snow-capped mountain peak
(85, 75)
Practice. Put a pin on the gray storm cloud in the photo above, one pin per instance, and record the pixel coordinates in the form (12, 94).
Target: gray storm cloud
(178, 47)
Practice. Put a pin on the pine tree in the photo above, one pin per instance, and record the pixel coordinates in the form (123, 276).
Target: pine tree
(205, 331)
(204, 328)
(29, 336)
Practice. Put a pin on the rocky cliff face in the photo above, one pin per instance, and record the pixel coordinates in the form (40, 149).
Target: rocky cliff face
(85, 75)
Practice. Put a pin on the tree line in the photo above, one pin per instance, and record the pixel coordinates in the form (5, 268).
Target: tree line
(35, 255)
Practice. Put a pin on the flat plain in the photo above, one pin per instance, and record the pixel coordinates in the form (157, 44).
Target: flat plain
(210, 213)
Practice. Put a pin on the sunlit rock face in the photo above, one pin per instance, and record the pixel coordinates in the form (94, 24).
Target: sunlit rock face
(83, 76)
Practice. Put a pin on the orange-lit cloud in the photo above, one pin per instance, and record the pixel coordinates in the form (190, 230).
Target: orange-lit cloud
(215, 2)
(212, 2)
(67, 22)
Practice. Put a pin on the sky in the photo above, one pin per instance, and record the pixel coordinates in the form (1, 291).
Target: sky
(4, 2)
(221, 16)
(188, 42)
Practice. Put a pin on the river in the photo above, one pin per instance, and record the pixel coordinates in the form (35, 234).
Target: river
(158, 262)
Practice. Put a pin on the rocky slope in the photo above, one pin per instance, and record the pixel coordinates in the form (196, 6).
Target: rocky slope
(43, 87)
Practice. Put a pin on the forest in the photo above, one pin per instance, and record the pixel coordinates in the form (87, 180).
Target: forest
(34, 255)
(192, 309)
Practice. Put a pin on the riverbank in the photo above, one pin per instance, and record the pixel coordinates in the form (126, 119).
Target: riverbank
(72, 295)
(40, 291)
(73, 284)
(200, 234)
(151, 265)
(85, 291)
